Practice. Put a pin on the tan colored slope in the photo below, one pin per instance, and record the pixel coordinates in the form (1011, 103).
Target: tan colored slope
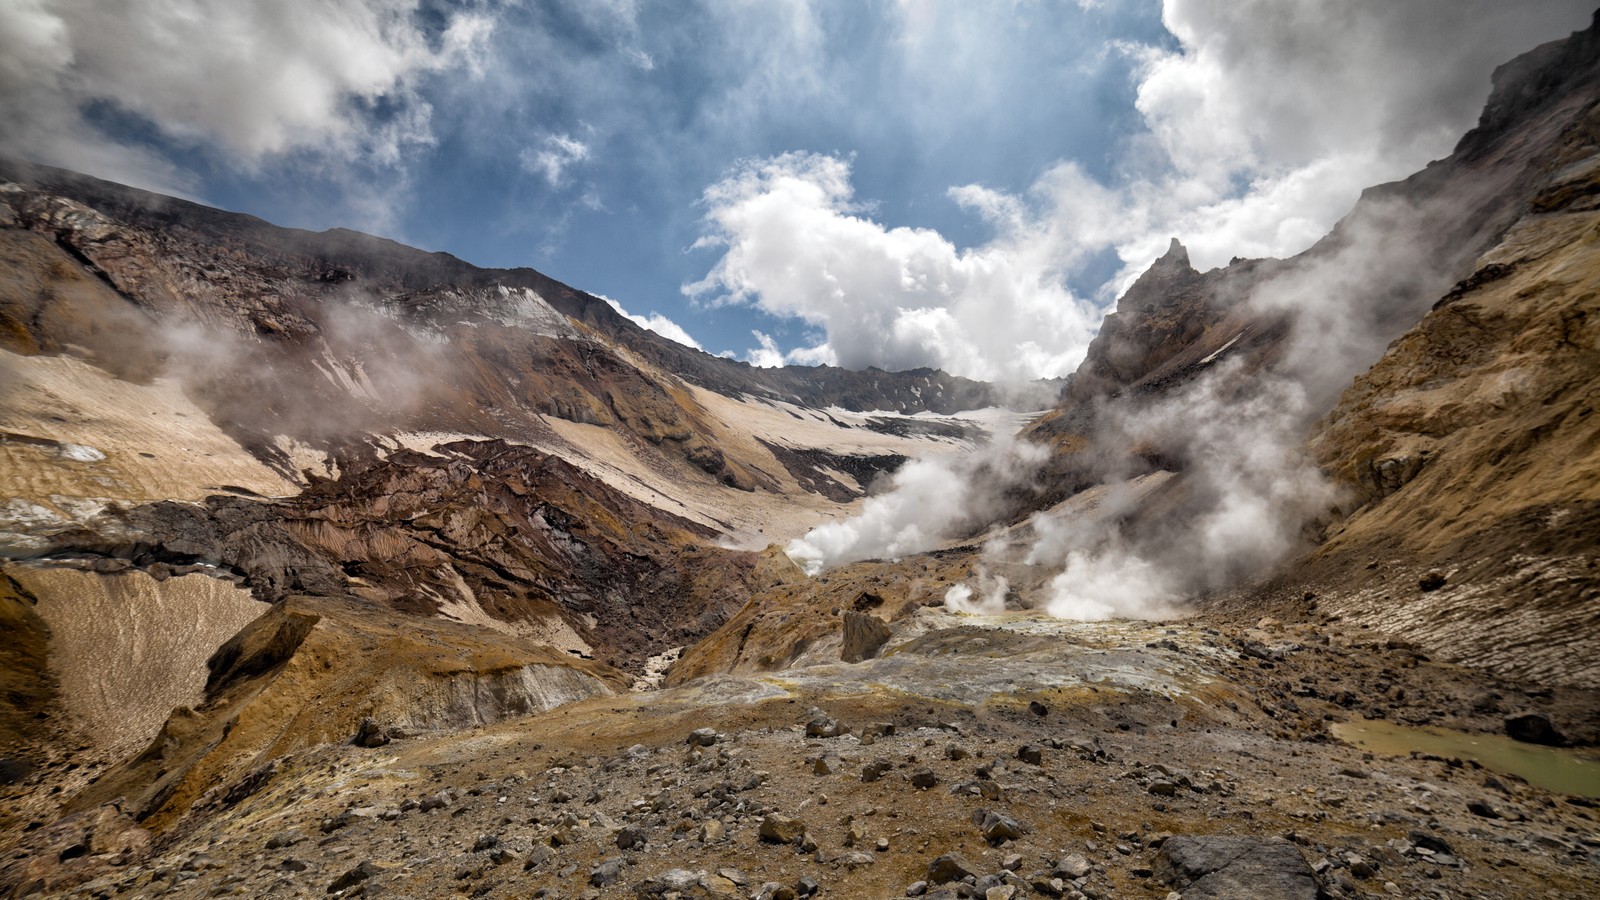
(155, 442)
(1473, 451)
(309, 670)
(126, 649)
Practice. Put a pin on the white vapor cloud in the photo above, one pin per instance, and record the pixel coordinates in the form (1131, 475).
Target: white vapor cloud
(656, 322)
(987, 599)
(255, 79)
(551, 159)
(795, 243)
(929, 501)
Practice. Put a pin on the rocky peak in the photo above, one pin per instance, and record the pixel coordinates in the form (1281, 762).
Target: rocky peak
(1168, 276)
(1542, 76)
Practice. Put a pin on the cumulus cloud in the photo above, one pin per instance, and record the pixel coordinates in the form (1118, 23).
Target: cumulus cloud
(658, 323)
(796, 243)
(1262, 123)
(254, 79)
(1306, 104)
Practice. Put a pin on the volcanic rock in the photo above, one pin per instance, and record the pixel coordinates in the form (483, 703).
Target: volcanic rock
(864, 634)
(1222, 866)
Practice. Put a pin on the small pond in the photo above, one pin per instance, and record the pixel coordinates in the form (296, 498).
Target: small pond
(1552, 768)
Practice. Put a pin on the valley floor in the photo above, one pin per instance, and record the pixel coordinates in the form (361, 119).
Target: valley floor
(1029, 757)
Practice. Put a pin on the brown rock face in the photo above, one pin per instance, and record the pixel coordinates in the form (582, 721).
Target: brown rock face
(864, 635)
(1471, 448)
(481, 531)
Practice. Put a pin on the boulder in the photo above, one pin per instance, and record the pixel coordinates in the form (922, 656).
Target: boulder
(864, 636)
(777, 828)
(1532, 728)
(1226, 866)
(950, 867)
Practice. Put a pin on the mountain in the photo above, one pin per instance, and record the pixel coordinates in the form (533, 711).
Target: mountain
(336, 567)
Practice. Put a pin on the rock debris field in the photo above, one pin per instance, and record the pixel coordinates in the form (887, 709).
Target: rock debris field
(1110, 761)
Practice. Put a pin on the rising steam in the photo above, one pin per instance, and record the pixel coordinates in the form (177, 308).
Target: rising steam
(930, 501)
(1238, 490)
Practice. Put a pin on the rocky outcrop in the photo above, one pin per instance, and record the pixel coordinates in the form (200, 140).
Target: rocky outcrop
(309, 672)
(1471, 448)
(479, 531)
(864, 635)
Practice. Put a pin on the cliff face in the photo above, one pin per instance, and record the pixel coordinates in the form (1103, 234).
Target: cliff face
(1471, 454)
(1438, 351)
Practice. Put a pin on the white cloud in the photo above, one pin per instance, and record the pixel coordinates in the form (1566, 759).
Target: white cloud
(253, 78)
(658, 323)
(765, 355)
(554, 157)
(796, 244)
(1306, 104)
(1263, 125)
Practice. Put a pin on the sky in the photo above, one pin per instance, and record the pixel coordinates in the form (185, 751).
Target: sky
(901, 183)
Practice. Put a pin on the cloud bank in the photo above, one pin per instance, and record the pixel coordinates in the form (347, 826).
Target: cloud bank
(252, 80)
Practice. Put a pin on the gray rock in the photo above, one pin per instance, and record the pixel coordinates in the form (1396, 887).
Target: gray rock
(1220, 867)
(1070, 867)
(950, 867)
(631, 837)
(1430, 842)
(370, 734)
(922, 779)
(1534, 729)
(874, 770)
(537, 857)
(864, 636)
(355, 876)
(997, 828)
(822, 725)
(703, 737)
(1031, 755)
(606, 874)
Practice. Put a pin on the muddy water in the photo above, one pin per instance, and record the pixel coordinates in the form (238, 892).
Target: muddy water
(127, 648)
(1554, 769)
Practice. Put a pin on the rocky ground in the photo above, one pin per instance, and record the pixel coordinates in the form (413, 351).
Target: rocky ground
(988, 757)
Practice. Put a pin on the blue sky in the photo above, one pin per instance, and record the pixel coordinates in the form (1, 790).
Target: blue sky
(937, 182)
